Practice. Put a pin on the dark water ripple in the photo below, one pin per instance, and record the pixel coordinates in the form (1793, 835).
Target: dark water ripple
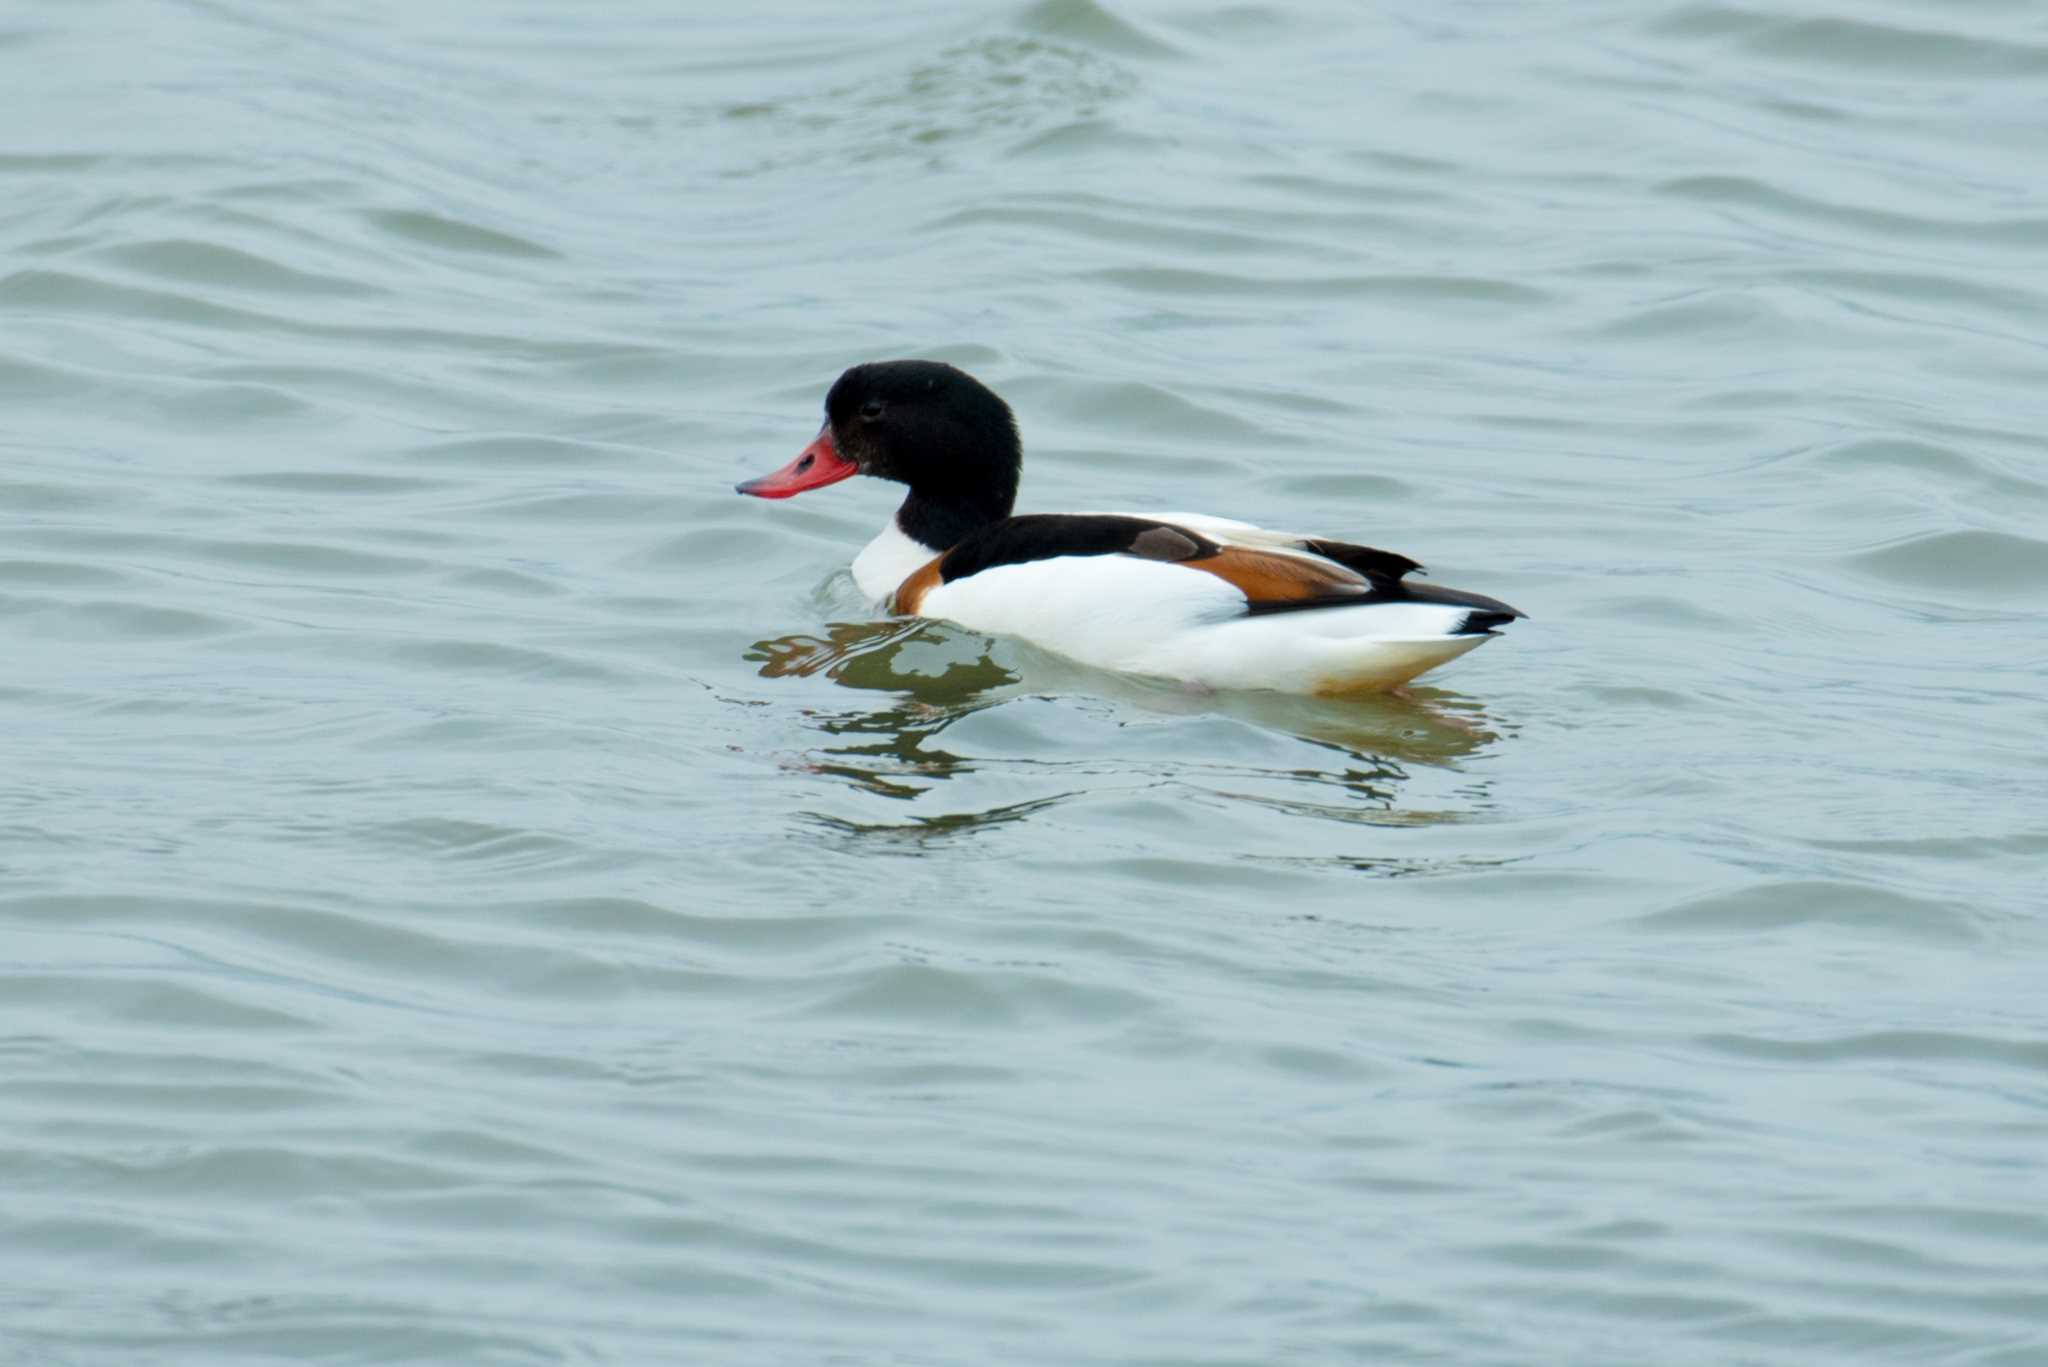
(472, 891)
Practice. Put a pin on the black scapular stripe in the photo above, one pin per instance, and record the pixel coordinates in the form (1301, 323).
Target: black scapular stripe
(1045, 536)
(1373, 564)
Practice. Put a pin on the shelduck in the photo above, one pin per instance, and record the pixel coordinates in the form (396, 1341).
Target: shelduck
(1211, 601)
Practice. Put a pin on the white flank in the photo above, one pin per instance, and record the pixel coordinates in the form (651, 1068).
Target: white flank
(1148, 617)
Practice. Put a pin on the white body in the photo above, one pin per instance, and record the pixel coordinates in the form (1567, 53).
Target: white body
(1151, 617)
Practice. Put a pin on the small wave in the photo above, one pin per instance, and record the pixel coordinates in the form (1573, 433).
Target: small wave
(1858, 45)
(116, 620)
(910, 994)
(1423, 291)
(1992, 564)
(1881, 226)
(1790, 903)
(1892, 1046)
(216, 266)
(1097, 25)
(447, 234)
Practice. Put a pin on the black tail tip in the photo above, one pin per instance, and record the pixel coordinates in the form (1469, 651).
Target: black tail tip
(1482, 621)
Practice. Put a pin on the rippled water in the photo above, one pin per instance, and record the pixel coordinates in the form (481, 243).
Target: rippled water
(474, 890)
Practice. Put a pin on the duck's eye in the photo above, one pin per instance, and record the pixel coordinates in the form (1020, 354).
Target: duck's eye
(871, 410)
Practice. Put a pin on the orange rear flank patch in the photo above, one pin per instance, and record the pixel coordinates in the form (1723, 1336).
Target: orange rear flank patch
(1269, 577)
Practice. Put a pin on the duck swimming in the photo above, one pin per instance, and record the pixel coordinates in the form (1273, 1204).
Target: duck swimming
(1210, 601)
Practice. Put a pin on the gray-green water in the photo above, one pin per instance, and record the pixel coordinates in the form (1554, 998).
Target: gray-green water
(474, 890)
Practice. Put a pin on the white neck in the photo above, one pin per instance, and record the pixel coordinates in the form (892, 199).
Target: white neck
(887, 561)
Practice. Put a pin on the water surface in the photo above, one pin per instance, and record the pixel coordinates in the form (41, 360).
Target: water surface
(474, 890)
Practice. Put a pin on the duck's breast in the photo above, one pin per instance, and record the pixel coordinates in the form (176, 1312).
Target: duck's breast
(887, 561)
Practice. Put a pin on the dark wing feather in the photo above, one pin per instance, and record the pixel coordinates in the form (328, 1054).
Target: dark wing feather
(1373, 564)
(1046, 536)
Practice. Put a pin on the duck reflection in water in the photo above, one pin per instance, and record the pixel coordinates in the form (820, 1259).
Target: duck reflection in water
(958, 678)
(932, 675)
